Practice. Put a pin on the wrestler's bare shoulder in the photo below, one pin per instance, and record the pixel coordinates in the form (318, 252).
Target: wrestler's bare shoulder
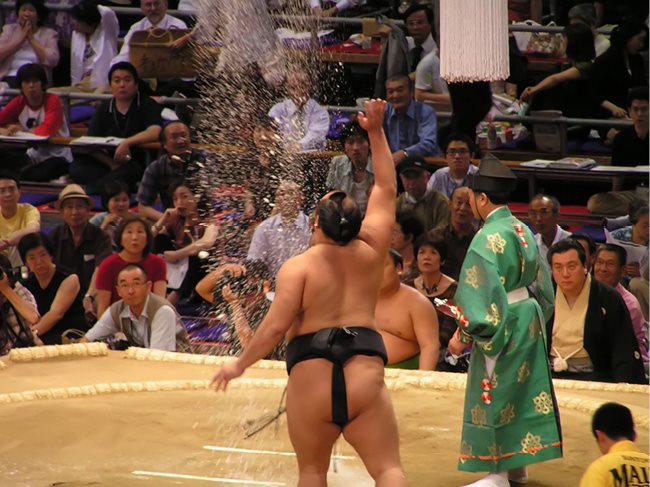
(412, 296)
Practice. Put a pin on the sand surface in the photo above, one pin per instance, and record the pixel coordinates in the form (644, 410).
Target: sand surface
(101, 440)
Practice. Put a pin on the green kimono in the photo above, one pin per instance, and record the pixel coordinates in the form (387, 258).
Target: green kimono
(511, 416)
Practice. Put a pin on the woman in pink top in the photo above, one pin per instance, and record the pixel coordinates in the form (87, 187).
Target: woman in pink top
(133, 239)
(27, 41)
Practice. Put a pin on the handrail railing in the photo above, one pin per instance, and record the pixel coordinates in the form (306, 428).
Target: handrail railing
(587, 122)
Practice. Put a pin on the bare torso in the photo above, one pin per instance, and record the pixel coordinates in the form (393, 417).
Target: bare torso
(395, 323)
(340, 287)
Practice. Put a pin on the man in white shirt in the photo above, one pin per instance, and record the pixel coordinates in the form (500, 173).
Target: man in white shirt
(419, 26)
(302, 121)
(146, 320)
(284, 234)
(337, 7)
(155, 17)
(544, 213)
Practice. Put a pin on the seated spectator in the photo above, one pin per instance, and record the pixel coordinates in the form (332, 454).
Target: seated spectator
(283, 235)
(418, 19)
(130, 116)
(18, 312)
(145, 319)
(577, 96)
(585, 13)
(590, 335)
(458, 233)
(609, 265)
(134, 241)
(410, 125)
(243, 288)
(406, 230)
(180, 237)
(16, 219)
(588, 246)
(459, 153)
(637, 233)
(78, 246)
(406, 320)
(621, 67)
(39, 113)
(302, 121)
(155, 17)
(179, 160)
(431, 207)
(631, 148)
(429, 86)
(544, 213)
(115, 200)
(352, 172)
(433, 283)
(57, 292)
(93, 45)
(337, 7)
(613, 428)
(27, 42)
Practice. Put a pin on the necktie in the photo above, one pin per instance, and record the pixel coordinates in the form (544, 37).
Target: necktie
(416, 54)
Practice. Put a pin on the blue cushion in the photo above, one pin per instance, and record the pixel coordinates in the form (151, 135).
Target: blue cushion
(81, 113)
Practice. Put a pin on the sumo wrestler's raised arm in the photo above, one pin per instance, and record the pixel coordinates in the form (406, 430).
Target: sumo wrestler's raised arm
(378, 223)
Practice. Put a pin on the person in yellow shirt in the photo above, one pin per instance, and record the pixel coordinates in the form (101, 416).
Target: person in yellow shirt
(622, 463)
(16, 219)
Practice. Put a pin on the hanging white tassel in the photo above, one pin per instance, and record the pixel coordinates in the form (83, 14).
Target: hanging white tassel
(474, 40)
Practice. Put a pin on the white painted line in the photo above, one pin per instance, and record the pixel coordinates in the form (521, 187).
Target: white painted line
(266, 452)
(208, 479)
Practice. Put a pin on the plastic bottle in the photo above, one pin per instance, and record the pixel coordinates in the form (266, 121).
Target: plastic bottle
(492, 137)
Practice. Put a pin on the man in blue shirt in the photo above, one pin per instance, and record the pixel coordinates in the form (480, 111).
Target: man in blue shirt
(410, 126)
(459, 152)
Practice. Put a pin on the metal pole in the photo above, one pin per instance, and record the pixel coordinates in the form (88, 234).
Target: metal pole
(587, 122)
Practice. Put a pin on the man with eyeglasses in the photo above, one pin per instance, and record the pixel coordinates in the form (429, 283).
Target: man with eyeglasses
(145, 320)
(16, 219)
(544, 213)
(459, 152)
(38, 113)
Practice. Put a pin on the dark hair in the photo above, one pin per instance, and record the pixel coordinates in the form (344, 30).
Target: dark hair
(32, 241)
(555, 203)
(583, 12)
(615, 420)
(353, 130)
(637, 93)
(127, 220)
(398, 260)
(267, 122)
(176, 183)
(624, 32)
(638, 208)
(32, 71)
(162, 137)
(339, 217)
(416, 7)
(130, 266)
(410, 224)
(580, 43)
(112, 189)
(585, 238)
(123, 66)
(461, 137)
(7, 174)
(42, 12)
(87, 12)
(401, 77)
(621, 253)
(564, 246)
(496, 197)
(429, 239)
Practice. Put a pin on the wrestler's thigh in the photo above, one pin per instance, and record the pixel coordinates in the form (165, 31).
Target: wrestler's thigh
(373, 434)
(309, 414)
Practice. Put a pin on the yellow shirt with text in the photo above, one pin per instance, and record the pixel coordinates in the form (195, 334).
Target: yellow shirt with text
(623, 466)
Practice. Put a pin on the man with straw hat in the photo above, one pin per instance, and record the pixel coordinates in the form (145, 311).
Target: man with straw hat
(503, 300)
